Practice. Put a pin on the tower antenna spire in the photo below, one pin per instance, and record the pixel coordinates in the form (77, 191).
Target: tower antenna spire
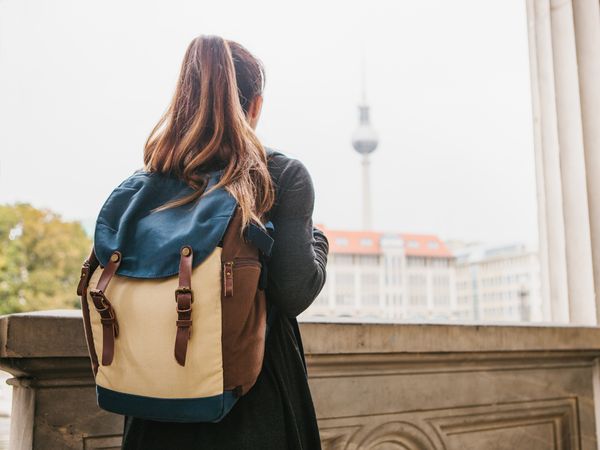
(363, 79)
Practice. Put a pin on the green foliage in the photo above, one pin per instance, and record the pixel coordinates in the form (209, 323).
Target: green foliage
(40, 259)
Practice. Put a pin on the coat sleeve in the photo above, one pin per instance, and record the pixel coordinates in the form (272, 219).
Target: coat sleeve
(296, 269)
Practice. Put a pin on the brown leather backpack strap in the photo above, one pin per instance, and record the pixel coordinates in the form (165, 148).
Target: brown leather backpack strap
(89, 265)
(110, 327)
(184, 300)
(88, 268)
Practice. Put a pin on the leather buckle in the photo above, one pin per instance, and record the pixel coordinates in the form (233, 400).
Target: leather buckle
(99, 295)
(107, 308)
(184, 290)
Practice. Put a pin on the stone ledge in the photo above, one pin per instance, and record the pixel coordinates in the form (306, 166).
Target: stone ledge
(59, 333)
(354, 338)
(56, 333)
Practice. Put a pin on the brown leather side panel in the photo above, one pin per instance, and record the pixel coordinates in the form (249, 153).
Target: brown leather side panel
(244, 312)
(89, 266)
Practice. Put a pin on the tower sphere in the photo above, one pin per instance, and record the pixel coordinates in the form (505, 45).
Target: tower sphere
(364, 139)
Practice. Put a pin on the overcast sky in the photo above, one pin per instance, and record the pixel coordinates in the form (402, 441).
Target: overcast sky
(82, 83)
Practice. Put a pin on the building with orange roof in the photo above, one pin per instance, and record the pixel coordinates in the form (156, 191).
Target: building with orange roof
(386, 275)
(420, 277)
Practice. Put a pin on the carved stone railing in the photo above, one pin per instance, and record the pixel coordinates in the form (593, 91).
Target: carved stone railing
(375, 386)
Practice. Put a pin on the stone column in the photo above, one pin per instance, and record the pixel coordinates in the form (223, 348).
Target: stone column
(548, 162)
(582, 308)
(587, 36)
(539, 173)
(567, 242)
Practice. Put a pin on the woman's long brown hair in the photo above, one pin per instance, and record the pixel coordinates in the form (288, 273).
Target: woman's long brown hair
(205, 127)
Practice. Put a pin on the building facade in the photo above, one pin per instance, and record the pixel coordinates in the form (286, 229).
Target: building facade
(498, 283)
(386, 276)
(401, 276)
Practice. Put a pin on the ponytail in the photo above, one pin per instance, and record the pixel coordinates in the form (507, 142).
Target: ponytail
(205, 127)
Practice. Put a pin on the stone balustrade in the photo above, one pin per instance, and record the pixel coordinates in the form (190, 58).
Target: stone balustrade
(375, 386)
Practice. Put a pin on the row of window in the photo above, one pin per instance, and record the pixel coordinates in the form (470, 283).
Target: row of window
(393, 262)
(504, 295)
(390, 300)
(507, 262)
(417, 299)
(419, 261)
(368, 242)
(440, 281)
(361, 260)
(512, 312)
(505, 279)
(372, 279)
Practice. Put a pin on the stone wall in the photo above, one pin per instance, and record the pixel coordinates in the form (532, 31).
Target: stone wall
(375, 386)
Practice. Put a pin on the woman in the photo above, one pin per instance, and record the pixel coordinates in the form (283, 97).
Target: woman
(210, 125)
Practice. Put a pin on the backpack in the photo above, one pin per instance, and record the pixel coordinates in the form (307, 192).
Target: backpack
(173, 301)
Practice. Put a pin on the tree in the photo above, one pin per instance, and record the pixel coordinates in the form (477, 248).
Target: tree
(40, 259)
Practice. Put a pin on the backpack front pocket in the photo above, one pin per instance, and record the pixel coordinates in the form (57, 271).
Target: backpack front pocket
(244, 323)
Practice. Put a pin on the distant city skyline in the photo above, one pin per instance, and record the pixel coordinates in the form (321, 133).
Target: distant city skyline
(81, 91)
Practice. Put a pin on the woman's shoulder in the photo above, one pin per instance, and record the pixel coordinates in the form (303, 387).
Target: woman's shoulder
(285, 169)
(277, 159)
(293, 185)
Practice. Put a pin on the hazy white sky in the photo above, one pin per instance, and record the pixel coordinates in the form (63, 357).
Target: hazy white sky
(82, 83)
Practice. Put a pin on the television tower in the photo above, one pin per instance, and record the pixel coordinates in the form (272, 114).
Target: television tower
(364, 141)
